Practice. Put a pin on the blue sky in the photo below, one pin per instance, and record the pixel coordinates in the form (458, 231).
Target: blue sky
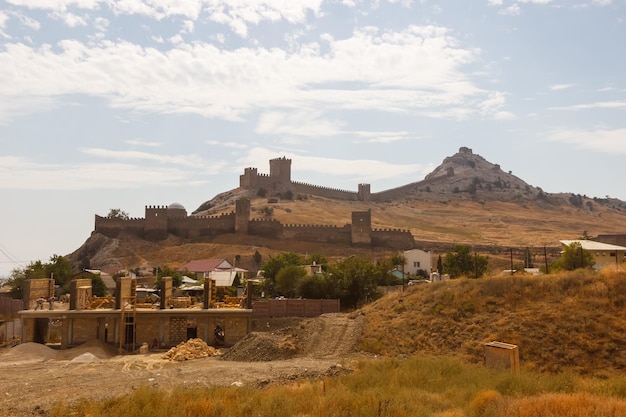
(126, 103)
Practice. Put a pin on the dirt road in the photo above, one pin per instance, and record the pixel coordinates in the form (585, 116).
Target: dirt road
(33, 377)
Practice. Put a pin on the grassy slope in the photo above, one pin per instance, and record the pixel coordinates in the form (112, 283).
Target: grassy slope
(569, 321)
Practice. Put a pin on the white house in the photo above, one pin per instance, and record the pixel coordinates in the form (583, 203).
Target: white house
(417, 260)
(604, 254)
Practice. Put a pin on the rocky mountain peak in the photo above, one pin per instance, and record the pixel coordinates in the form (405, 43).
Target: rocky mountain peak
(467, 172)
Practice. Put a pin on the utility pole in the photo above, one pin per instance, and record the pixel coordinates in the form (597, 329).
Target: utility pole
(512, 262)
(545, 257)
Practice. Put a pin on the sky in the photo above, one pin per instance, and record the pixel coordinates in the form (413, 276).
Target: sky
(126, 103)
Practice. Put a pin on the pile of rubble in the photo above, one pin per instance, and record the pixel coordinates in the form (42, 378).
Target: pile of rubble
(191, 349)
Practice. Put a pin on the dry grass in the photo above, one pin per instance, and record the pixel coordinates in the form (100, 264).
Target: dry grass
(418, 386)
(571, 321)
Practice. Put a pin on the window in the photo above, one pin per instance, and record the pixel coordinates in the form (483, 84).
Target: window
(416, 264)
(612, 253)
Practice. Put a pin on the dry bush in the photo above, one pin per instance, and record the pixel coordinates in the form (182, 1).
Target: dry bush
(570, 405)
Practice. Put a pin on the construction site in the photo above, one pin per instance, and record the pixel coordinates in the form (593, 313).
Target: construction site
(131, 318)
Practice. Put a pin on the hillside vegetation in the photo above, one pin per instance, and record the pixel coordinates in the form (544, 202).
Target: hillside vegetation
(571, 321)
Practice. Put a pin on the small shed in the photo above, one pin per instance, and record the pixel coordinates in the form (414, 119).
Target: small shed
(502, 355)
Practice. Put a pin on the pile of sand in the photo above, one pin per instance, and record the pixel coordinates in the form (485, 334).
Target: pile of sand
(96, 348)
(29, 352)
(191, 349)
(263, 347)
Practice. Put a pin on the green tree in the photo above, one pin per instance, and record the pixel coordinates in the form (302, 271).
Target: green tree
(354, 281)
(274, 264)
(574, 257)
(315, 287)
(60, 269)
(288, 280)
(98, 288)
(460, 262)
(16, 281)
(166, 271)
(118, 214)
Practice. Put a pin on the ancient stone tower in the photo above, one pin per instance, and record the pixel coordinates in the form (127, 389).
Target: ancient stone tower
(364, 192)
(362, 227)
(242, 216)
(280, 170)
(156, 223)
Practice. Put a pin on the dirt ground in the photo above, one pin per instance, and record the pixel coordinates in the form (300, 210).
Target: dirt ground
(33, 377)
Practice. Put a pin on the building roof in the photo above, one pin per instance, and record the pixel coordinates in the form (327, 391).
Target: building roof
(593, 245)
(206, 265)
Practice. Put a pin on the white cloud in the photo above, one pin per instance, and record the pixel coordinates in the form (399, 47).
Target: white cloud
(139, 142)
(512, 10)
(598, 105)
(557, 87)
(598, 140)
(70, 19)
(602, 3)
(300, 123)
(234, 145)
(494, 2)
(398, 71)
(21, 173)
(29, 22)
(183, 160)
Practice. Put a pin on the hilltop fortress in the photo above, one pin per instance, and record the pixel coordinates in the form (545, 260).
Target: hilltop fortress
(161, 221)
(464, 174)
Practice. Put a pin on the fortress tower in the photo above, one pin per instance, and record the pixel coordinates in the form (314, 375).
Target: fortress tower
(155, 226)
(249, 179)
(280, 170)
(362, 227)
(364, 193)
(242, 216)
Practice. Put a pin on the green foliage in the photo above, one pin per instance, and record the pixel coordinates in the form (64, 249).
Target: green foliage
(354, 281)
(288, 280)
(16, 282)
(272, 267)
(166, 271)
(98, 288)
(118, 214)
(574, 257)
(58, 268)
(460, 262)
(314, 287)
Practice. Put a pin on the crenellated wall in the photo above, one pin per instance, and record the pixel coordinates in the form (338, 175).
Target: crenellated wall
(269, 228)
(393, 238)
(317, 233)
(327, 192)
(160, 223)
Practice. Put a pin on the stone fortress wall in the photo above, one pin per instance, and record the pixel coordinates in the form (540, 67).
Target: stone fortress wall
(161, 221)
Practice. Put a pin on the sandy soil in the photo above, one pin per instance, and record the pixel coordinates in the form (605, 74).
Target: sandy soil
(33, 377)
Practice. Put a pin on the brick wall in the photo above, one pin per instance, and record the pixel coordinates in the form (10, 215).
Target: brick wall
(294, 308)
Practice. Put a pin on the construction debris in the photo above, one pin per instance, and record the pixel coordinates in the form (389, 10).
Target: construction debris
(191, 349)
